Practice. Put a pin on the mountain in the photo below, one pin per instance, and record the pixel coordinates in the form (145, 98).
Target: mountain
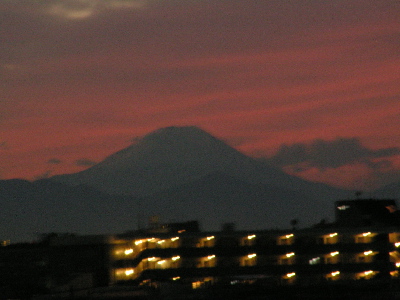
(178, 173)
(29, 209)
(219, 198)
(185, 173)
(172, 156)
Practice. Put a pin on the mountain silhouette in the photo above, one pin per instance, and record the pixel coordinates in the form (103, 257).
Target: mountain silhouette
(172, 156)
(178, 173)
(185, 173)
(29, 209)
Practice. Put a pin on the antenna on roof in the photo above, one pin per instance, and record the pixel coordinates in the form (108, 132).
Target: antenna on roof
(358, 194)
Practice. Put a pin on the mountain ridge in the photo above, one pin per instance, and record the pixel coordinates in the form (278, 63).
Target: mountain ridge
(171, 156)
(178, 173)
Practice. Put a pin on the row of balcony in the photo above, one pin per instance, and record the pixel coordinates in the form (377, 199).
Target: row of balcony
(138, 245)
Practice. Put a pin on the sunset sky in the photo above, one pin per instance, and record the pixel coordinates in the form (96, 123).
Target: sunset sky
(311, 86)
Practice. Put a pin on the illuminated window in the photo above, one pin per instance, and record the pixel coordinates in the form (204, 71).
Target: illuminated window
(124, 274)
(366, 256)
(128, 251)
(343, 207)
(289, 278)
(207, 262)
(208, 241)
(249, 260)
(4, 243)
(335, 275)
(331, 238)
(248, 240)
(394, 257)
(394, 274)
(287, 239)
(332, 258)
(151, 263)
(394, 238)
(174, 242)
(287, 259)
(314, 261)
(196, 285)
(365, 237)
(175, 261)
(202, 283)
(366, 274)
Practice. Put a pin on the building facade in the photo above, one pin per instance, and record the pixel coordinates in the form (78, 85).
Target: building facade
(361, 246)
(302, 257)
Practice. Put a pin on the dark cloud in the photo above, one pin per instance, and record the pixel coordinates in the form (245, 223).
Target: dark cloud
(54, 161)
(323, 154)
(83, 162)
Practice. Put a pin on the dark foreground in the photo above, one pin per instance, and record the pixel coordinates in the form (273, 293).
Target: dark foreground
(330, 291)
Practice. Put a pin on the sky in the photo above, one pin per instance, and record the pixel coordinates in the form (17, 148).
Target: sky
(311, 86)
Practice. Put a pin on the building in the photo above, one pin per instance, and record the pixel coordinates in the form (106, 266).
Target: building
(361, 246)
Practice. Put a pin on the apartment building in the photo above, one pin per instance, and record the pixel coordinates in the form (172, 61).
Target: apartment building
(362, 245)
(301, 257)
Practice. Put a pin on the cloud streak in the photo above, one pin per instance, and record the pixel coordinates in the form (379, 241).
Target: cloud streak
(322, 154)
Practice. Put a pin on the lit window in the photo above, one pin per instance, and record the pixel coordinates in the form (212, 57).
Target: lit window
(394, 273)
(366, 274)
(196, 284)
(343, 207)
(333, 275)
(332, 258)
(366, 237)
(287, 239)
(208, 241)
(336, 273)
(289, 278)
(248, 240)
(129, 272)
(289, 275)
(331, 238)
(315, 261)
(366, 256)
(128, 251)
(286, 259)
